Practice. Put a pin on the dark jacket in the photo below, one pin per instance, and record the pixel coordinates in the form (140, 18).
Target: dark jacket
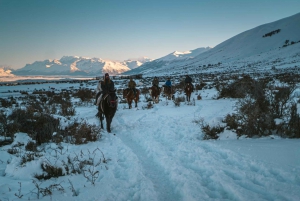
(155, 82)
(107, 86)
(131, 84)
(168, 83)
(188, 79)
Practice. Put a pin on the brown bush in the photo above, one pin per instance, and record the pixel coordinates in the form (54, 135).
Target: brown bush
(31, 146)
(80, 133)
(84, 94)
(38, 126)
(211, 132)
(200, 86)
(231, 121)
(50, 171)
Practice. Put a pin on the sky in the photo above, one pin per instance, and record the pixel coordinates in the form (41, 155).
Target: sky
(34, 30)
(156, 154)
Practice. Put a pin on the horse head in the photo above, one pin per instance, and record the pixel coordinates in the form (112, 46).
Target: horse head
(188, 87)
(154, 92)
(129, 95)
(112, 99)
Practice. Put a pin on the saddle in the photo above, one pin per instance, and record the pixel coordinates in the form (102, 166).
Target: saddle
(131, 89)
(157, 87)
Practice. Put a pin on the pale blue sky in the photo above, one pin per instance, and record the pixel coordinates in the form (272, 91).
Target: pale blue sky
(35, 30)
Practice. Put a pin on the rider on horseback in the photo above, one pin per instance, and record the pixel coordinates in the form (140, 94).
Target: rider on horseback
(168, 83)
(155, 82)
(104, 86)
(187, 80)
(107, 85)
(132, 85)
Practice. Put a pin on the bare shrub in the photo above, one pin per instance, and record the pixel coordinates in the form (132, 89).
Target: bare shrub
(55, 99)
(255, 117)
(293, 129)
(19, 194)
(5, 142)
(67, 108)
(231, 121)
(144, 90)
(13, 151)
(49, 172)
(210, 132)
(81, 133)
(84, 94)
(26, 158)
(7, 129)
(238, 88)
(38, 126)
(31, 146)
(7, 103)
(148, 106)
(200, 86)
(47, 190)
(280, 100)
(179, 86)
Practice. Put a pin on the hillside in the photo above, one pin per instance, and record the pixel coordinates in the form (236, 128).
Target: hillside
(269, 46)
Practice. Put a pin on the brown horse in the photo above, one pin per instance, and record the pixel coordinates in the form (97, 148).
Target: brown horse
(188, 90)
(128, 94)
(169, 91)
(154, 92)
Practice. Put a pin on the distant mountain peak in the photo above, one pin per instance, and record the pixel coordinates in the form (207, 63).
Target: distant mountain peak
(77, 65)
(6, 71)
(176, 53)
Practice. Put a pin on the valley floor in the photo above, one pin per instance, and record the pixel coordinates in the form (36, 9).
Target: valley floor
(159, 154)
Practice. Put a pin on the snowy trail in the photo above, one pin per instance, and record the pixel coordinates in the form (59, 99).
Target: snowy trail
(178, 164)
(162, 185)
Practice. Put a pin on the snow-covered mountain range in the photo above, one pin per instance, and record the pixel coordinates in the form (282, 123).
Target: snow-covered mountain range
(270, 46)
(173, 59)
(75, 65)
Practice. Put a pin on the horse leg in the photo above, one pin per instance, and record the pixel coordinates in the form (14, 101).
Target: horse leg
(135, 103)
(108, 122)
(129, 104)
(101, 120)
(100, 115)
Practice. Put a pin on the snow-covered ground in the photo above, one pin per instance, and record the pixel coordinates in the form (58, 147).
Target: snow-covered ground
(159, 154)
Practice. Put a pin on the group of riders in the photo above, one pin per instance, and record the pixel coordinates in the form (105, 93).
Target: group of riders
(107, 85)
